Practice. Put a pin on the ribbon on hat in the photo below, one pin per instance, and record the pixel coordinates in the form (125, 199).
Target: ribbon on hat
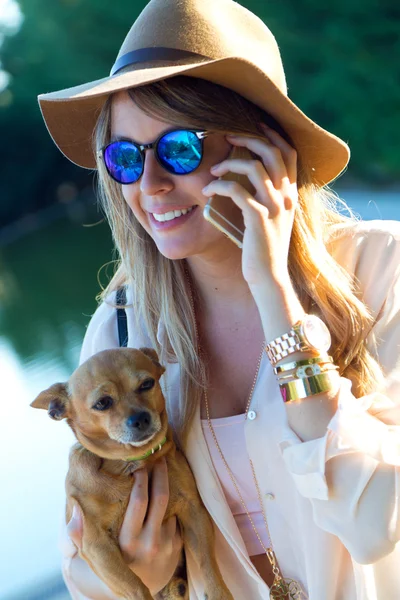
(150, 54)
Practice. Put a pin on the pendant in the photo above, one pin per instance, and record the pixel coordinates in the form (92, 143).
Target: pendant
(286, 589)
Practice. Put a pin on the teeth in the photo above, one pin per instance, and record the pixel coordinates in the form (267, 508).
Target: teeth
(173, 214)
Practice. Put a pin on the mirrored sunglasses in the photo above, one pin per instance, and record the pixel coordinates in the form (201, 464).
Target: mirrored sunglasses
(179, 152)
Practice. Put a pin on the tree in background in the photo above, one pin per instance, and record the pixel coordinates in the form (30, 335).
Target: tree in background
(339, 61)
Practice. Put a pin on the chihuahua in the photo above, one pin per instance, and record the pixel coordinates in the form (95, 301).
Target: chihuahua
(114, 404)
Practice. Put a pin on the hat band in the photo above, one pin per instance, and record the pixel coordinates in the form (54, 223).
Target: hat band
(149, 54)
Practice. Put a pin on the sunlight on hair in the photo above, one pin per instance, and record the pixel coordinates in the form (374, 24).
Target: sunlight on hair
(324, 287)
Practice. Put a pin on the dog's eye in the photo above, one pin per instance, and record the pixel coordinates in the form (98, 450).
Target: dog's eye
(104, 403)
(146, 385)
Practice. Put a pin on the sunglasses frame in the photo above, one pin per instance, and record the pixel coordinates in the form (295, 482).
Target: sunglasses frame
(201, 135)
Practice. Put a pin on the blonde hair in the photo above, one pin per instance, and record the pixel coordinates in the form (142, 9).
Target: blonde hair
(161, 291)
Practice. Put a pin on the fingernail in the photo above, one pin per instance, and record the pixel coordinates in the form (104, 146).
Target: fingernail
(215, 167)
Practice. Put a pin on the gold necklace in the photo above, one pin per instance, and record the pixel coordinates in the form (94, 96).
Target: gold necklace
(282, 588)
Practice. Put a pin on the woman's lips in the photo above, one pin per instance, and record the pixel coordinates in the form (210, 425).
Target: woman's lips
(162, 225)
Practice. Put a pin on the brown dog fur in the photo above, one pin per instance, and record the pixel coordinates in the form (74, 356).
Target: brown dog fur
(100, 478)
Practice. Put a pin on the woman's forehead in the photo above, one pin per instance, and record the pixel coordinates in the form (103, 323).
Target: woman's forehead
(128, 120)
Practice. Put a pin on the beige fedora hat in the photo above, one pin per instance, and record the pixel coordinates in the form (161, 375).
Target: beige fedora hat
(217, 40)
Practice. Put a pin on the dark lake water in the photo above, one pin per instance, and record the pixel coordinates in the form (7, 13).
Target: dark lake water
(48, 284)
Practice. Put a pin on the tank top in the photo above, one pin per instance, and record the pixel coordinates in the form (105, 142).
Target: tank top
(229, 432)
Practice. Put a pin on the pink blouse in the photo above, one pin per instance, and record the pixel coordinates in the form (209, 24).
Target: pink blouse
(229, 432)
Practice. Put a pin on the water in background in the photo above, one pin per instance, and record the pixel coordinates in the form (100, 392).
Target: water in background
(48, 283)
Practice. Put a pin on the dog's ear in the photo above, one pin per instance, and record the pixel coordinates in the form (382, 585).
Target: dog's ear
(151, 353)
(54, 400)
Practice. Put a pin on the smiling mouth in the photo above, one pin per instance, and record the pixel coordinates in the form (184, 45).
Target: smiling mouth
(171, 215)
(169, 219)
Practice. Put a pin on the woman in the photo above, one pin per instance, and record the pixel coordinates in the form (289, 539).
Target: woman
(295, 451)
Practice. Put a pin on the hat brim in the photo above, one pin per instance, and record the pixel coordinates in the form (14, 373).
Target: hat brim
(71, 114)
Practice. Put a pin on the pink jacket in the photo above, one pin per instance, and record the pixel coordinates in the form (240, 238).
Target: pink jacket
(334, 522)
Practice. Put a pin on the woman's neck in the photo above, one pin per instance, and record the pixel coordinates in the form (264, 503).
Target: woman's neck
(220, 286)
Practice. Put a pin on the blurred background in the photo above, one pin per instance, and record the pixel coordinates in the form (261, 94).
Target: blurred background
(56, 249)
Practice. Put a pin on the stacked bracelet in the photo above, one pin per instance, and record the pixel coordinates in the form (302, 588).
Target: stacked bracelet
(301, 363)
(311, 376)
(304, 375)
(309, 386)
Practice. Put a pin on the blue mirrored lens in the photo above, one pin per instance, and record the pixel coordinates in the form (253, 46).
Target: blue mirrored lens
(180, 152)
(123, 161)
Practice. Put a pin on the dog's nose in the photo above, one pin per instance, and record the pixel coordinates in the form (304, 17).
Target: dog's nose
(139, 421)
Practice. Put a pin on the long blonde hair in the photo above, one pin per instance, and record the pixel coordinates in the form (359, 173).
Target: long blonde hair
(160, 284)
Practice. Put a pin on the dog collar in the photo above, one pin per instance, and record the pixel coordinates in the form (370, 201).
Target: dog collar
(149, 452)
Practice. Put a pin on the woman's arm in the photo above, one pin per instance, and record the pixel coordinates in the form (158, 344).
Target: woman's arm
(279, 308)
(344, 452)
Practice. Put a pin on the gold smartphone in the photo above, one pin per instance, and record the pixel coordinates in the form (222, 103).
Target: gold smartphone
(222, 212)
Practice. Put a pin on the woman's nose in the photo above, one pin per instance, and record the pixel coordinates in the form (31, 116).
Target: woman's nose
(155, 179)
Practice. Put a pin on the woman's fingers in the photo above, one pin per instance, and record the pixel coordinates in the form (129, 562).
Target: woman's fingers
(276, 169)
(273, 176)
(175, 532)
(288, 153)
(170, 536)
(136, 510)
(266, 193)
(270, 156)
(159, 498)
(171, 529)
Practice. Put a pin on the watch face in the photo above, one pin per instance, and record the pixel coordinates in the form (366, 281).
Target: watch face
(316, 333)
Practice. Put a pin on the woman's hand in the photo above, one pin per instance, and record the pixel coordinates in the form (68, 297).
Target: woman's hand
(269, 215)
(150, 547)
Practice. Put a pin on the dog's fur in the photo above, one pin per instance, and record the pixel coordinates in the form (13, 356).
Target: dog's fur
(100, 479)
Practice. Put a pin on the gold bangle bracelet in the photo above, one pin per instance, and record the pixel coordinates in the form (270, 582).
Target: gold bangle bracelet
(299, 363)
(310, 386)
(294, 376)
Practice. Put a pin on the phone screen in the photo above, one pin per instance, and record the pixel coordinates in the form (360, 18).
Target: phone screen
(222, 212)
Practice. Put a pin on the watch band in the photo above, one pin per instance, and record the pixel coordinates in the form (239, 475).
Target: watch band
(284, 345)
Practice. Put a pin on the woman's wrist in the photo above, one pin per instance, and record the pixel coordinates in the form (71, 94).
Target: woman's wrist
(309, 417)
(279, 308)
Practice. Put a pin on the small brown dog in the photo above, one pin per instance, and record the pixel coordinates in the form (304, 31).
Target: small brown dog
(114, 404)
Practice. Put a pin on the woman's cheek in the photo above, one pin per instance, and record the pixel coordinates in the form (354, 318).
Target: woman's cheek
(127, 194)
(135, 207)
(131, 200)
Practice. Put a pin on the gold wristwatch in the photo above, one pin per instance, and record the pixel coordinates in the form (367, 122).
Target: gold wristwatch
(309, 334)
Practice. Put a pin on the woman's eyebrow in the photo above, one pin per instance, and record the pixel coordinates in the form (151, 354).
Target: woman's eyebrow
(117, 138)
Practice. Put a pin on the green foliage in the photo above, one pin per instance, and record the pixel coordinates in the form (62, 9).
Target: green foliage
(339, 61)
(341, 67)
